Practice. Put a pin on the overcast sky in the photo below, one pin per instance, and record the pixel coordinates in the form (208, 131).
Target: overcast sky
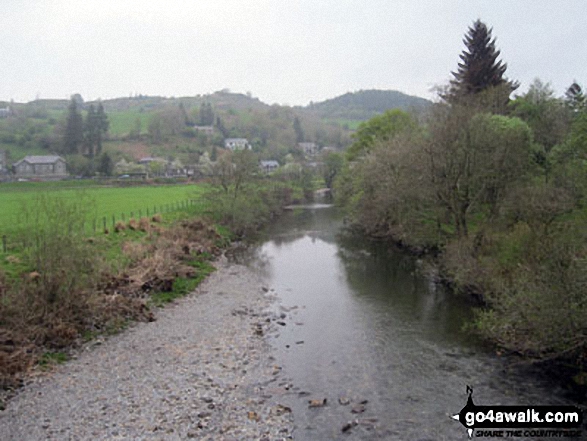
(282, 51)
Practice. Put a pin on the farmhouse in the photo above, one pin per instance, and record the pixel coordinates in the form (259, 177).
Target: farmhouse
(237, 144)
(269, 166)
(41, 166)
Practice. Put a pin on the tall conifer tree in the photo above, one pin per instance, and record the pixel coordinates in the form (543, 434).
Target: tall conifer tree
(74, 129)
(479, 68)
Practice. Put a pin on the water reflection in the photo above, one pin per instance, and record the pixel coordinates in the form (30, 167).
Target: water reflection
(364, 324)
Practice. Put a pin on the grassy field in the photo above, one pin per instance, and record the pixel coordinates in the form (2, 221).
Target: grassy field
(100, 202)
(121, 123)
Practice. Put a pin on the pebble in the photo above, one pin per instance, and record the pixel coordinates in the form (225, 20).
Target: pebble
(180, 377)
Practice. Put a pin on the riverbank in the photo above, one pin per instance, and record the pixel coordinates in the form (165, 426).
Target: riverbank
(201, 370)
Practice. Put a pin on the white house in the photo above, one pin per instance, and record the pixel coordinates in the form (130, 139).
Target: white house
(269, 166)
(237, 144)
(309, 148)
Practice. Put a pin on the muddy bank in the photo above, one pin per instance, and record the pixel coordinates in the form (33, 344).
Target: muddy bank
(202, 370)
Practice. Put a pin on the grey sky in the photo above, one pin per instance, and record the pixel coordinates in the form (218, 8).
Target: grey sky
(286, 51)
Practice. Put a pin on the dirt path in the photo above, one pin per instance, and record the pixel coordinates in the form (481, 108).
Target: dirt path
(202, 371)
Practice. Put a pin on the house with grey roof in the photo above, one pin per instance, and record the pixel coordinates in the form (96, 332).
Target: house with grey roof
(48, 167)
(237, 144)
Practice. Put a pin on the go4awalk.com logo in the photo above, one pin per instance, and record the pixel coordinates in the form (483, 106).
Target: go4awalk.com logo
(520, 421)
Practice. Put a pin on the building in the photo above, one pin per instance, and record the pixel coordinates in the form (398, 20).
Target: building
(41, 167)
(269, 166)
(237, 144)
(5, 112)
(3, 164)
(206, 130)
(309, 148)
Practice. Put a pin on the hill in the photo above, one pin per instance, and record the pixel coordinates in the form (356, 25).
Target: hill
(365, 104)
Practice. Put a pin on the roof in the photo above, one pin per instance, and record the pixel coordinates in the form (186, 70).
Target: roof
(41, 159)
(236, 140)
(270, 163)
(151, 159)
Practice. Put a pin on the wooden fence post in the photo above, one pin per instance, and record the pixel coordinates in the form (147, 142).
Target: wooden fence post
(4, 247)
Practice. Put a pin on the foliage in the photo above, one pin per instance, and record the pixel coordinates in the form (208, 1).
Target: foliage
(480, 70)
(380, 128)
(95, 127)
(297, 126)
(333, 163)
(365, 104)
(206, 115)
(74, 129)
(547, 116)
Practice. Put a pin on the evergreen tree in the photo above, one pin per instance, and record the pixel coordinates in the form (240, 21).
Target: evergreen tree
(479, 69)
(95, 127)
(102, 125)
(206, 114)
(221, 128)
(91, 131)
(297, 125)
(106, 165)
(74, 129)
(575, 98)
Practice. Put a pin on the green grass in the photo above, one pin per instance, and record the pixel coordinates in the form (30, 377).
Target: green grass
(182, 285)
(49, 359)
(101, 202)
(121, 123)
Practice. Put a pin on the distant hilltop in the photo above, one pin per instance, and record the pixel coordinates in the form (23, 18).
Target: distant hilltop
(361, 105)
(365, 104)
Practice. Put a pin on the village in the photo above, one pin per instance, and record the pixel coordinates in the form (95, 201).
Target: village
(54, 167)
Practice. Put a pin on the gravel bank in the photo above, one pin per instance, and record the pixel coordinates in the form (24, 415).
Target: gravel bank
(203, 370)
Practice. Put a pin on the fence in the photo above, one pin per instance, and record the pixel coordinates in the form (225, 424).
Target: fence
(104, 222)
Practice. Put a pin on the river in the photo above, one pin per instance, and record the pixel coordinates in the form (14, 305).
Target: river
(362, 324)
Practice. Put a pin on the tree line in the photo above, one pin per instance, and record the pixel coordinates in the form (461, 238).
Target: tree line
(497, 188)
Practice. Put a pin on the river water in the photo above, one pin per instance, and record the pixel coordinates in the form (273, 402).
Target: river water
(361, 323)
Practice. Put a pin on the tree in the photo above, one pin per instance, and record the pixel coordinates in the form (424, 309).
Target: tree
(473, 160)
(90, 131)
(106, 165)
(297, 126)
(378, 129)
(575, 98)
(221, 128)
(74, 129)
(206, 114)
(333, 163)
(95, 127)
(548, 118)
(479, 69)
(102, 126)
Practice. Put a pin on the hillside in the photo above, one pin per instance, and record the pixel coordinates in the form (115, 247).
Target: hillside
(365, 104)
